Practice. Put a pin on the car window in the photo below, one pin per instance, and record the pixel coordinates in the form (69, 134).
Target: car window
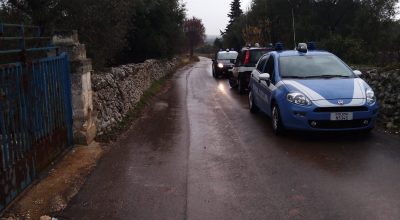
(261, 64)
(227, 55)
(255, 55)
(313, 67)
(270, 68)
(240, 58)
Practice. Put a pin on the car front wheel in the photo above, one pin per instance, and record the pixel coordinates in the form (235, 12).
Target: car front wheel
(277, 126)
(252, 106)
(213, 72)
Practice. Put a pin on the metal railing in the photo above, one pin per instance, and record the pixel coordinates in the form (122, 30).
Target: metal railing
(22, 39)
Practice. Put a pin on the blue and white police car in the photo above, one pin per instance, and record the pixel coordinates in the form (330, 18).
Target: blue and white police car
(311, 90)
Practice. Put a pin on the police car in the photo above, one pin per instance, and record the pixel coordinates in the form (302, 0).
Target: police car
(311, 90)
(223, 63)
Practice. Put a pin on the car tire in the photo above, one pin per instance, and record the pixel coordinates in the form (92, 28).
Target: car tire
(232, 82)
(252, 105)
(213, 72)
(276, 121)
(241, 86)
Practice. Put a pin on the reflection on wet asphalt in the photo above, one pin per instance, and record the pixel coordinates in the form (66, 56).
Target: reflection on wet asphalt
(199, 154)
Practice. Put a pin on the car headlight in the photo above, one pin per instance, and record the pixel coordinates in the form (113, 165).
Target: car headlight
(371, 98)
(220, 65)
(298, 98)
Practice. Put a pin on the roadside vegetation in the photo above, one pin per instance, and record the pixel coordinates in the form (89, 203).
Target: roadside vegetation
(115, 32)
(360, 32)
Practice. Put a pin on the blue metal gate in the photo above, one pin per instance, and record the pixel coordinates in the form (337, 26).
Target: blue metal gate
(35, 117)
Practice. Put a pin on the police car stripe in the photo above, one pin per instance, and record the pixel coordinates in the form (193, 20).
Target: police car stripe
(357, 100)
(359, 97)
(311, 94)
(317, 99)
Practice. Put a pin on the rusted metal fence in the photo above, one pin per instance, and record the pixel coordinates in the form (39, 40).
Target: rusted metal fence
(35, 117)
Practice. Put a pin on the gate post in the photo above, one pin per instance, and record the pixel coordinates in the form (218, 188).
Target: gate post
(84, 128)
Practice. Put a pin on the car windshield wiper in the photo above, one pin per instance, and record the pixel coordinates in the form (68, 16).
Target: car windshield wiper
(327, 76)
(294, 77)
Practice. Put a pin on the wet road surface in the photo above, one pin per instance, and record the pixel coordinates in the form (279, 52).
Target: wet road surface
(199, 154)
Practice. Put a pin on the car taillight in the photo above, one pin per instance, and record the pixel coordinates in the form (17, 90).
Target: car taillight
(247, 58)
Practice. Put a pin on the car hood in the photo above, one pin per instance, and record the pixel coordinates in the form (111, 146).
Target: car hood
(329, 89)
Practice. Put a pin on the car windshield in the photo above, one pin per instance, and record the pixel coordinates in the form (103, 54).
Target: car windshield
(326, 66)
(227, 55)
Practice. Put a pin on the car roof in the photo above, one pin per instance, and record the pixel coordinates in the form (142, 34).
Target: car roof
(256, 48)
(288, 53)
(231, 51)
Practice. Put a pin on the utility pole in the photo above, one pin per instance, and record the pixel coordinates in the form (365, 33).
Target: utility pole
(294, 29)
(293, 23)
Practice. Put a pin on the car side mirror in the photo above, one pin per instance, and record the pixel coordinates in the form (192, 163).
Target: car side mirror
(357, 72)
(265, 77)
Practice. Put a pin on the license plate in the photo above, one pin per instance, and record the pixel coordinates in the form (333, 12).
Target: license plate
(342, 116)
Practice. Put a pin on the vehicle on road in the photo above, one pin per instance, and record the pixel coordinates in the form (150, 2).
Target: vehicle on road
(245, 64)
(311, 90)
(223, 63)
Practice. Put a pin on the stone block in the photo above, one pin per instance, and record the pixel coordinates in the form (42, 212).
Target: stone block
(86, 81)
(65, 38)
(74, 51)
(81, 66)
(76, 82)
(85, 137)
(77, 102)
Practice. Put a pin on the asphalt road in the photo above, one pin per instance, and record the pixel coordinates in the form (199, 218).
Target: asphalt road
(199, 154)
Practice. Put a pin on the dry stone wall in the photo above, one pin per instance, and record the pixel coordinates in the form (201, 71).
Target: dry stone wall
(118, 90)
(386, 85)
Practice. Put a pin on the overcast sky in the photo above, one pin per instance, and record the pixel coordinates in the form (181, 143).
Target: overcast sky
(214, 13)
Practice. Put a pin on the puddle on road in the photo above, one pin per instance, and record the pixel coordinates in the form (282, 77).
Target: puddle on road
(160, 106)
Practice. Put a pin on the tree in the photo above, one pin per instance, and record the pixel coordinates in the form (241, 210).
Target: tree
(194, 32)
(233, 33)
(235, 12)
(252, 34)
(233, 38)
(218, 43)
(114, 32)
(156, 30)
(41, 12)
(102, 26)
